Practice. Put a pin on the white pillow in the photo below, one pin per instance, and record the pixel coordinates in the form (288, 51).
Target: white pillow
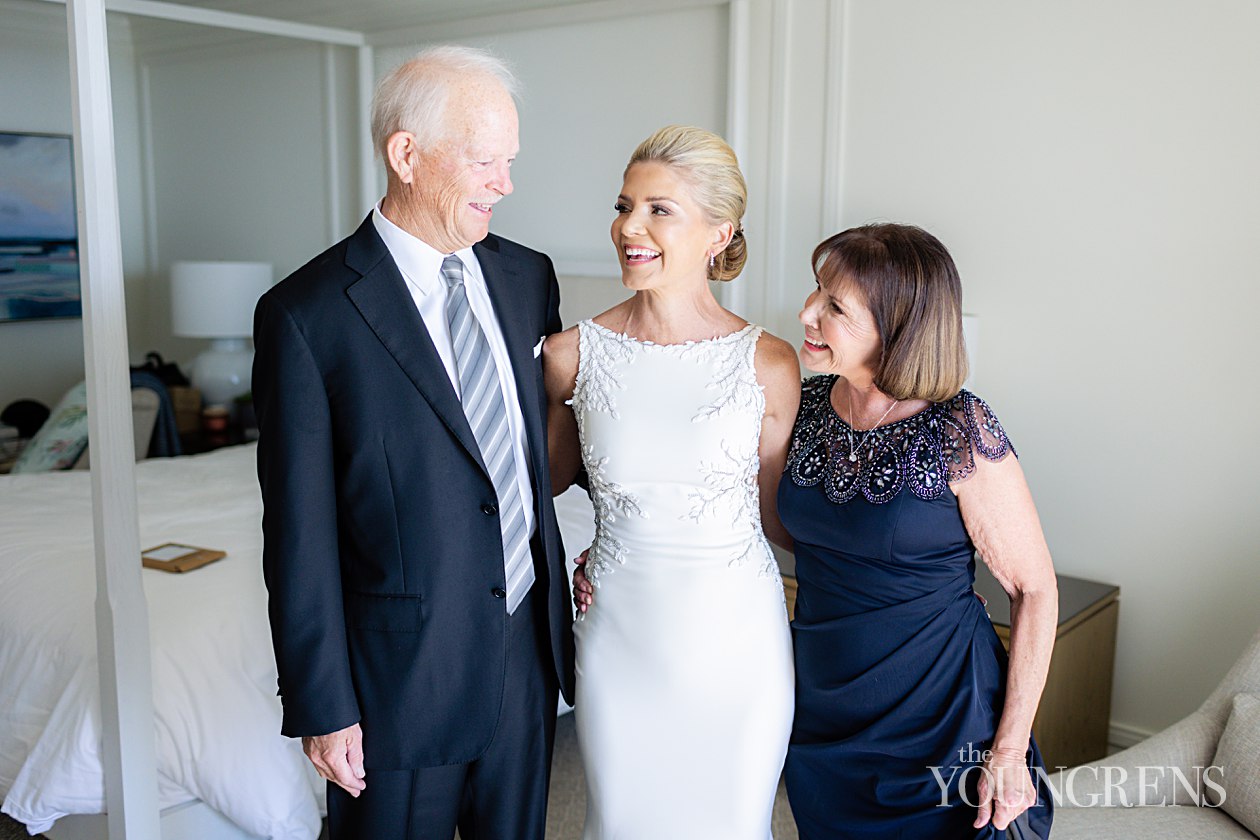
(1238, 756)
(62, 438)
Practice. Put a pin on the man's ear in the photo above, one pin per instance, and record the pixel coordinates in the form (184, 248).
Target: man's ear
(400, 155)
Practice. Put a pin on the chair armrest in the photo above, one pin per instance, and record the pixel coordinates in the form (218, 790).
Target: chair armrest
(1146, 773)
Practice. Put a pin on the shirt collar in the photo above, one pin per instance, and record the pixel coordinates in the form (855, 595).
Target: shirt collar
(419, 262)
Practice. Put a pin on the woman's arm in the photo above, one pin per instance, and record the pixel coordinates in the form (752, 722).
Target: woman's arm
(779, 375)
(560, 366)
(999, 514)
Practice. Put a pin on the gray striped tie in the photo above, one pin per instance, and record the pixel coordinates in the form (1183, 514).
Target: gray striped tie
(487, 415)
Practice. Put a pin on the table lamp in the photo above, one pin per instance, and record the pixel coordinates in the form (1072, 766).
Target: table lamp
(216, 300)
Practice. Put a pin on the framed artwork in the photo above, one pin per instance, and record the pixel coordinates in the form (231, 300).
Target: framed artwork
(39, 244)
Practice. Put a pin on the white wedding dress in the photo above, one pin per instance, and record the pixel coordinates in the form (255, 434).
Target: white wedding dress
(684, 662)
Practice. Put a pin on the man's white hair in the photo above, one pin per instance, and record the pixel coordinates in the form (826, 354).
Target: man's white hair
(413, 96)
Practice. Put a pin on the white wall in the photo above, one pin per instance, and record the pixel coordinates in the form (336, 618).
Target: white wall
(42, 359)
(1093, 169)
(251, 159)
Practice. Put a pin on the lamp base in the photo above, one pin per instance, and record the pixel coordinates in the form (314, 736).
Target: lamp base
(222, 372)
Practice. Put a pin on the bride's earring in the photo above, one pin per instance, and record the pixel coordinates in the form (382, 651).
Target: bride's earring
(712, 260)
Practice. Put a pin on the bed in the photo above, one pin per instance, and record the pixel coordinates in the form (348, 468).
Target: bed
(214, 682)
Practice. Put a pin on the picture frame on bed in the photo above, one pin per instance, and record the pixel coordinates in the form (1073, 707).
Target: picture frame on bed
(177, 557)
(39, 244)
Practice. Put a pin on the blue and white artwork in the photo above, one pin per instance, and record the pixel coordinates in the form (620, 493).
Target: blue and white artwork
(39, 247)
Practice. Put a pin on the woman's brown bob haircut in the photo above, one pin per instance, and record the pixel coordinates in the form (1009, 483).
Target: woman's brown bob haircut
(909, 282)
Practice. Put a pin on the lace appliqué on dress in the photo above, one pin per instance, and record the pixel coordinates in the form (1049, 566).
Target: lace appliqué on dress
(924, 452)
(597, 383)
(732, 485)
(735, 377)
(609, 499)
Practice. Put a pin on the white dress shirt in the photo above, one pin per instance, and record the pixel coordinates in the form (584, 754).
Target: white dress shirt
(421, 267)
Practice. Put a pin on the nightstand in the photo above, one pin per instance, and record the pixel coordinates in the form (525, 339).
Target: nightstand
(197, 442)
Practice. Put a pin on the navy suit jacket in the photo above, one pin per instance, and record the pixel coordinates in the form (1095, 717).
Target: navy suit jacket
(382, 552)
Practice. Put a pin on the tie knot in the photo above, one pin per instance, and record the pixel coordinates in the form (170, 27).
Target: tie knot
(452, 271)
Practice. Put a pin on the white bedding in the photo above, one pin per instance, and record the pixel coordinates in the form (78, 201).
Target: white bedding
(214, 680)
(214, 677)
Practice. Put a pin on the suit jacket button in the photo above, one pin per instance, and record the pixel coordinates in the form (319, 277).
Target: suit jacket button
(498, 593)
(489, 508)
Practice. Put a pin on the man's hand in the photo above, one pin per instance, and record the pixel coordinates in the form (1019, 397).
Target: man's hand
(583, 592)
(1006, 789)
(338, 757)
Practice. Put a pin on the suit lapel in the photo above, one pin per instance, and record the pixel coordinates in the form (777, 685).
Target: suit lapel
(511, 301)
(383, 301)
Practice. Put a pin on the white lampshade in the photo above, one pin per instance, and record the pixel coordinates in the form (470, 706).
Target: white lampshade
(216, 299)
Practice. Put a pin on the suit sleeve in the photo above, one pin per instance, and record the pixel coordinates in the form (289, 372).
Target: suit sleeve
(553, 301)
(301, 564)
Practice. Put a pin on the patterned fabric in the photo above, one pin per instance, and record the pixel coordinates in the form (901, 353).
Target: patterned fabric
(62, 438)
(487, 415)
(924, 452)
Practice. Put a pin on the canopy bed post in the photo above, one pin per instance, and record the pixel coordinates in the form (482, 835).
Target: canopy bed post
(367, 154)
(122, 624)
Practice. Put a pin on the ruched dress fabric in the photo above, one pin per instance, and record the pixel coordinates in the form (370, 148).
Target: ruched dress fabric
(684, 661)
(898, 667)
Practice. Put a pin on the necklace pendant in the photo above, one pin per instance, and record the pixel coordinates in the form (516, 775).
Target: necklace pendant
(852, 456)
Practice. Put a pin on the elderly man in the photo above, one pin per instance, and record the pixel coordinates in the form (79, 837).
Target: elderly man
(418, 599)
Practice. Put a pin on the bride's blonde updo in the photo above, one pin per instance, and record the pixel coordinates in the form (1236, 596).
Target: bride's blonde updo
(710, 167)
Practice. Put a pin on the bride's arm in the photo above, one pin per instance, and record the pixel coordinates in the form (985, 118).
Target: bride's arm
(560, 365)
(779, 375)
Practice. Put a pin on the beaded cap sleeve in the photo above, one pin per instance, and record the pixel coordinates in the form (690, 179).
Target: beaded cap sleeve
(924, 452)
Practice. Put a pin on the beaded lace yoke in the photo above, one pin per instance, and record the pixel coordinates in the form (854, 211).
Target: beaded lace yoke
(924, 452)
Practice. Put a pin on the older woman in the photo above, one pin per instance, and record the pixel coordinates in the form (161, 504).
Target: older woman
(680, 413)
(909, 722)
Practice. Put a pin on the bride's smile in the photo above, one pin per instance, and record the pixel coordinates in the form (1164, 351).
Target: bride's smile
(663, 237)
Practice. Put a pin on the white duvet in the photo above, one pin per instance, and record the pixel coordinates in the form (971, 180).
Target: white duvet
(214, 676)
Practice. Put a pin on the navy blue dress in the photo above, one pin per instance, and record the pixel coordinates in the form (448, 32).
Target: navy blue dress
(898, 668)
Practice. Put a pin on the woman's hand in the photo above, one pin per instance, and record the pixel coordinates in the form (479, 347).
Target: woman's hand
(583, 592)
(1006, 788)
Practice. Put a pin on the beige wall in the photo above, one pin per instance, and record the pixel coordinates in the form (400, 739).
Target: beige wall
(252, 159)
(1093, 168)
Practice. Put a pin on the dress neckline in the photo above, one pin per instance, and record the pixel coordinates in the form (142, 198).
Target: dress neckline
(925, 452)
(893, 424)
(731, 336)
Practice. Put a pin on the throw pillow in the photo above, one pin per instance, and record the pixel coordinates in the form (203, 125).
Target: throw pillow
(60, 441)
(1238, 754)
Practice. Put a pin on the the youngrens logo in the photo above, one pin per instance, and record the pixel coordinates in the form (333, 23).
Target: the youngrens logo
(1101, 785)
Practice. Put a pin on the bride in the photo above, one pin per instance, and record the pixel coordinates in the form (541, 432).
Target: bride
(680, 412)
